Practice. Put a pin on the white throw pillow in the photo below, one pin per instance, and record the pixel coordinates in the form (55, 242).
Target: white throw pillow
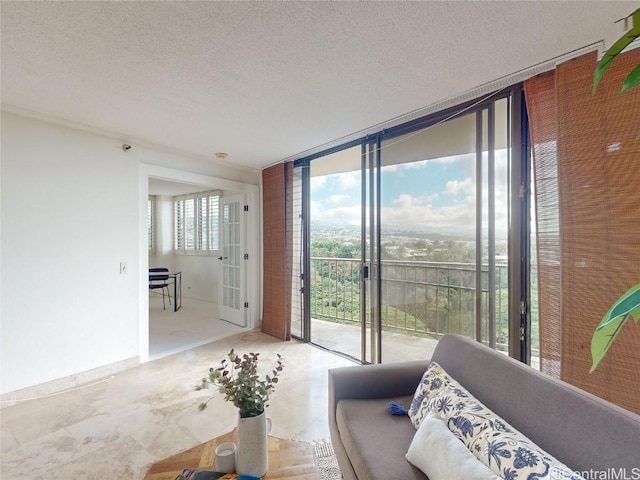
(437, 452)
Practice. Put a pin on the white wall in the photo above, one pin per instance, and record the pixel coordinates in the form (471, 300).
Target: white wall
(163, 218)
(200, 276)
(199, 273)
(71, 212)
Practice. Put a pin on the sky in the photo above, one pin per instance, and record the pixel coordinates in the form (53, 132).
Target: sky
(437, 195)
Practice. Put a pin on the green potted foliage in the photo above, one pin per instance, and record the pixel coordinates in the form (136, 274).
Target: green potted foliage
(626, 307)
(633, 79)
(238, 380)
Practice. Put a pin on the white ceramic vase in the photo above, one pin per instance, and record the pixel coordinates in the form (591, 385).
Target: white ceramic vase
(252, 456)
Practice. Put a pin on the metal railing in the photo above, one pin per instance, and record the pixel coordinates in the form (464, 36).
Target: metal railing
(419, 298)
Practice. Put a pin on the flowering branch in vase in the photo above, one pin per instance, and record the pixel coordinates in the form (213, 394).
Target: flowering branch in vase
(237, 378)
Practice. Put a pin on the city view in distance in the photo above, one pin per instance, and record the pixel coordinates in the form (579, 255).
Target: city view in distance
(343, 241)
(427, 209)
(428, 247)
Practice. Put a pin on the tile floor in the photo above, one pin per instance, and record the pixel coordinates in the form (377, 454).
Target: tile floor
(195, 323)
(117, 427)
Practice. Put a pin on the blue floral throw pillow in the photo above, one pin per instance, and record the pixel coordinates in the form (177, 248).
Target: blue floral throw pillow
(431, 384)
(492, 440)
(465, 416)
(513, 456)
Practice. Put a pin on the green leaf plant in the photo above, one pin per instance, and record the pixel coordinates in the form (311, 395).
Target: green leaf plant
(633, 79)
(237, 379)
(626, 307)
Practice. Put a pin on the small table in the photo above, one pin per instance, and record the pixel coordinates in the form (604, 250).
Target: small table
(288, 460)
(177, 290)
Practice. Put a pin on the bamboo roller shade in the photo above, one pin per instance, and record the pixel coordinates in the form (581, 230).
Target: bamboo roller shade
(277, 185)
(597, 140)
(541, 106)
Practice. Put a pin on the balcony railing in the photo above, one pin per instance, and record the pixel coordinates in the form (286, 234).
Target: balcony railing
(418, 298)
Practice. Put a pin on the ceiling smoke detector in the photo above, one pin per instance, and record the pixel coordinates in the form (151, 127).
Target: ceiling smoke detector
(221, 155)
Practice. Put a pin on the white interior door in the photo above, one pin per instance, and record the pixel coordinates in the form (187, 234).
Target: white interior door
(232, 294)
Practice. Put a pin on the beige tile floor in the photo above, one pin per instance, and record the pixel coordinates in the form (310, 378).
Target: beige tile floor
(117, 427)
(195, 324)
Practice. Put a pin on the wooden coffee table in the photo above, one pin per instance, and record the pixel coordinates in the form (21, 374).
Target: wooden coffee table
(288, 460)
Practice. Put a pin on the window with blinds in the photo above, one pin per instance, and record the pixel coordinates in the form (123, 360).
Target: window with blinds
(151, 208)
(196, 222)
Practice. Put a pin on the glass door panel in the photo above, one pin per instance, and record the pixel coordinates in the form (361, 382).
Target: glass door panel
(298, 329)
(444, 225)
(494, 218)
(428, 237)
(335, 238)
(231, 288)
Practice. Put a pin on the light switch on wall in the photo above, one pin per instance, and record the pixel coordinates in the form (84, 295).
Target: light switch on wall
(123, 268)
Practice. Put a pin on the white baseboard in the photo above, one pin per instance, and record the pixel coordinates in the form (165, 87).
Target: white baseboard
(64, 384)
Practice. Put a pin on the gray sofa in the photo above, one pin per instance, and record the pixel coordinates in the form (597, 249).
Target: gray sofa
(579, 429)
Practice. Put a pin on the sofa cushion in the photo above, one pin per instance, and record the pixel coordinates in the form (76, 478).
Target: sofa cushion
(376, 442)
(442, 456)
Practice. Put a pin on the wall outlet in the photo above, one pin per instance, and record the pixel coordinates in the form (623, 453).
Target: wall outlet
(123, 268)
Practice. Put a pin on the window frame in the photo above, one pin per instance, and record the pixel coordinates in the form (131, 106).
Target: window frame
(189, 211)
(151, 224)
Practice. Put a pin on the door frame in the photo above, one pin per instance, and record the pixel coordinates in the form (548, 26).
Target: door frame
(254, 283)
(519, 288)
(371, 291)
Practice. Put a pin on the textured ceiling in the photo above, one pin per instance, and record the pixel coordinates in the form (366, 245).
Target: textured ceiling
(264, 81)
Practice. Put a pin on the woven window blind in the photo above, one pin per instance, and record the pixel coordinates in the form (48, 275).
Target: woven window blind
(276, 203)
(594, 253)
(541, 107)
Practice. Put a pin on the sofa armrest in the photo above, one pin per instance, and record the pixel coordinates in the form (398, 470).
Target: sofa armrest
(364, 382)
(375, 381)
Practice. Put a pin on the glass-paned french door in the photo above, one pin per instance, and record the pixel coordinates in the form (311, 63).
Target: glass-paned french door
(231, 288)
(407, 235)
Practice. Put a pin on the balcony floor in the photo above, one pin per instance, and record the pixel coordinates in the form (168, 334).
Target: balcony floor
(396, 347)
(345, 339)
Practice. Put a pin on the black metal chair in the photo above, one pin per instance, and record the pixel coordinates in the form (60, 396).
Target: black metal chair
(159, 279)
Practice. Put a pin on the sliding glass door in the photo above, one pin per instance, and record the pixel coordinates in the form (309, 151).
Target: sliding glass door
(335, 251)
(409, 237)
(429, 248)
